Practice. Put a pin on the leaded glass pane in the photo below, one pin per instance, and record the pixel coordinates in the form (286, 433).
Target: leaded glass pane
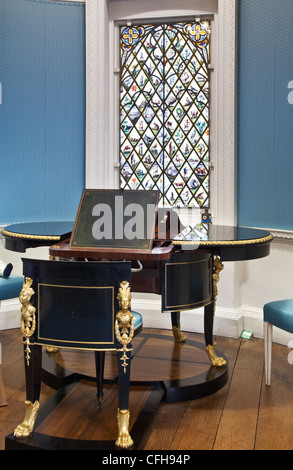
(164, 111)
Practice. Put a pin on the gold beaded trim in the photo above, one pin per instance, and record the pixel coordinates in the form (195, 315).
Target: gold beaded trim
(223, 242)
(30, 237)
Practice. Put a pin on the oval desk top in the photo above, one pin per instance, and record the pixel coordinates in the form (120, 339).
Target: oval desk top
(38, 230)
(230, 242)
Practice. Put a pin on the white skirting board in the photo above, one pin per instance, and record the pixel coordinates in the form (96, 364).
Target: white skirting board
(228, 322)
(229, 325)
(9, 314)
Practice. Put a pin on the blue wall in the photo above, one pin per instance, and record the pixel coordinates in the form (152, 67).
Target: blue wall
(265, 119)
(42, 115)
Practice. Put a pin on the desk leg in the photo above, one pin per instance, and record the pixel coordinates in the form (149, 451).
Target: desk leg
(33, 388)
(209, 313)
(178, 336)
(32, 360)
(124, 439)
(100, 366)
(124, 331)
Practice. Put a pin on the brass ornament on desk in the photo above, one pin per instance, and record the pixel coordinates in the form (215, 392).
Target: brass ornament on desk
(26, 427)
(29, 236)
(251, 241)
(215, 360)
(218, 267)
(123, 440)
(51, 349)
(124, 321)
(28, 318)
(179, 337)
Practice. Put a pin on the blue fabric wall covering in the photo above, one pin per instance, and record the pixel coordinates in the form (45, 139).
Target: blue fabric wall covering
(265, 119)
(42, 115)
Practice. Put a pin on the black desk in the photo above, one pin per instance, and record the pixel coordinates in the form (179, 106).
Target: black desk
(213, 246)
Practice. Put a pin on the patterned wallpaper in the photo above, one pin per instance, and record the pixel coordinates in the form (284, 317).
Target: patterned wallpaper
(42, 112)
(265, 114)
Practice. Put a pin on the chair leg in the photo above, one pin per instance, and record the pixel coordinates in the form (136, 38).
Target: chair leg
(268, 333)
(3, 399)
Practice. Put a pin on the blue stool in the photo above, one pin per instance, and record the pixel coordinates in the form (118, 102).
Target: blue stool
(280, 314)
(9, 289)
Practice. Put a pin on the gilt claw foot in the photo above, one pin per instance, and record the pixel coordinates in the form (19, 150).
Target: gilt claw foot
(177, 335)
(124, 440)
(215, 360)
(26, 427)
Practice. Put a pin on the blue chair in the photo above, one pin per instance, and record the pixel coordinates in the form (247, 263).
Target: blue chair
(9, 289)
(280, 314)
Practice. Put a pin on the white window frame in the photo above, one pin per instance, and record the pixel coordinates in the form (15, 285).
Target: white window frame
(102, 100)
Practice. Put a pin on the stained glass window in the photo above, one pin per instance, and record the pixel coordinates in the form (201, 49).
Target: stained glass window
(164, 111)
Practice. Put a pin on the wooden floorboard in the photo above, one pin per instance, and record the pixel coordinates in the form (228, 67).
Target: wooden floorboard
(244, 415)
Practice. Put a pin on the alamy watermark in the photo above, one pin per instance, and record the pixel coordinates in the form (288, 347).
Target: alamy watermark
(134, 221)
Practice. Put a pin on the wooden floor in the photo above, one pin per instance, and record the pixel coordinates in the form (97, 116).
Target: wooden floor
(244, 415)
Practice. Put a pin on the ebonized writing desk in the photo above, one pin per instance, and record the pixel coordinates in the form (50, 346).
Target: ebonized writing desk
(183, 269)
